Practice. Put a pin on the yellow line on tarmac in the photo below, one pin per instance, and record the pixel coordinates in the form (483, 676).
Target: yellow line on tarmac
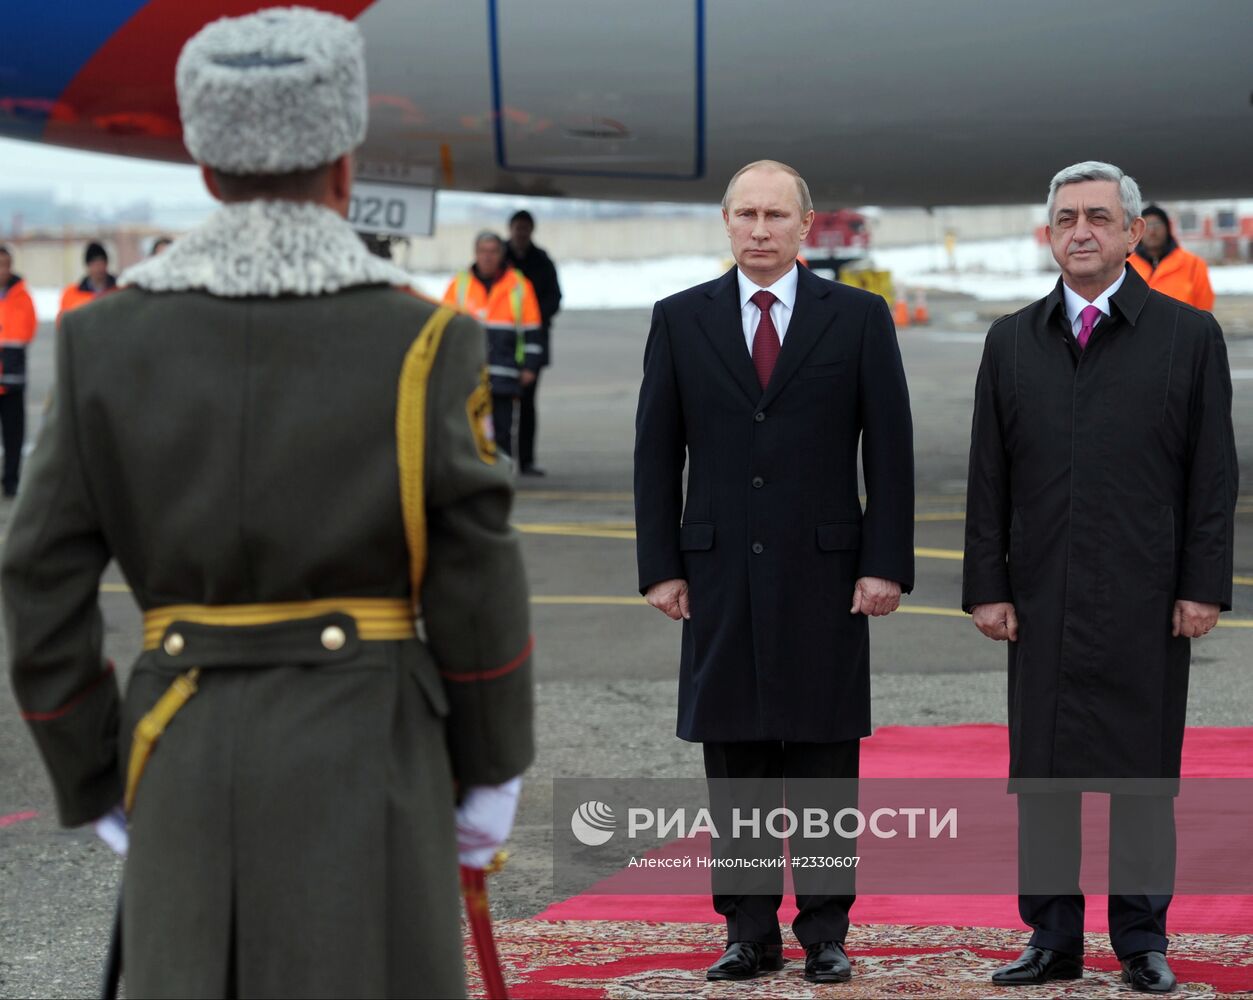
(575, 531)
(939, 554)
(584, 599)
(585, 495)
(922, 609)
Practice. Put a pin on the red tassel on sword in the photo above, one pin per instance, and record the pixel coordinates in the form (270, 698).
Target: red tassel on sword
(479, 916)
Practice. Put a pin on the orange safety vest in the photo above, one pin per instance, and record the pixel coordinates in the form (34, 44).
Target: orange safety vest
(80, 294)
(17, 329)
(487, 308)
(1181, 275)
(510, 315)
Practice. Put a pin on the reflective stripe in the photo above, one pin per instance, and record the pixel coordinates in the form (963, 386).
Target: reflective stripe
(502, 371)
(515, 301)
(14, 344)
(463, 288)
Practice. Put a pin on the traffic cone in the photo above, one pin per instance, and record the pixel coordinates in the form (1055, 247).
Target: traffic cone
(921, 315)
(900, 313)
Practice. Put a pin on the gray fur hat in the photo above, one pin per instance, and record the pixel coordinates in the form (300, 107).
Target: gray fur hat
(273, 92)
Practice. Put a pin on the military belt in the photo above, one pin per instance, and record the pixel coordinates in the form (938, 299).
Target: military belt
(377, 618)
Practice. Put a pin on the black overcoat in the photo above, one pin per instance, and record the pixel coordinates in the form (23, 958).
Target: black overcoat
(772, 536)
(1102, 489)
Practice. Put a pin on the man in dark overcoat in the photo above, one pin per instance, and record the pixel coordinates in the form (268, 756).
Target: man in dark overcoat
(1099, 543)
(541, 272)
(284, 450)
(763, 383)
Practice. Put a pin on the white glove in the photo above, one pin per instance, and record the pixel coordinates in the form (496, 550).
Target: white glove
(484, 820)
(111, 828)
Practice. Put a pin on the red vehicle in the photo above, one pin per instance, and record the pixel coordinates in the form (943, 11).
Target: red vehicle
(836, 239)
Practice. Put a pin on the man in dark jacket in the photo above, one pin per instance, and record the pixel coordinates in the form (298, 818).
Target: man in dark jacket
(540, 271)
(1099, 543)
(294, 831)
(766, 381)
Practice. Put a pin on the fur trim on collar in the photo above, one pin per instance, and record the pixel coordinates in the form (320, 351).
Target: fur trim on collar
(266, 248)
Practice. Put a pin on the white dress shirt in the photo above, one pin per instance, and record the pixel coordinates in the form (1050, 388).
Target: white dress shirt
(784, 291)
(1076, 303)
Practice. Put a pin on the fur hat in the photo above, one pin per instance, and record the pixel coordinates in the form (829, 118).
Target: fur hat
(273, 92)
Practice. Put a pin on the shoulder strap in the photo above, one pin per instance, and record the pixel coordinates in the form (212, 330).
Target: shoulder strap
(411, 441)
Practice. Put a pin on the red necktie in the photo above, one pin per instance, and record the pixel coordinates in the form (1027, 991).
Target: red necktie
(766, 339)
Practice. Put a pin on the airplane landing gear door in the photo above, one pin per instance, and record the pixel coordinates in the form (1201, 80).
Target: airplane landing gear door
(628, 103)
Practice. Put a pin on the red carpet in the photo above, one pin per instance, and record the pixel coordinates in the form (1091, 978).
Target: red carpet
(635, 946)
(971, 751)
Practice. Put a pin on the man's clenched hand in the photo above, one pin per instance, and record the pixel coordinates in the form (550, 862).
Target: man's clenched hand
(997, 621)
(873, 596)
(670, 598)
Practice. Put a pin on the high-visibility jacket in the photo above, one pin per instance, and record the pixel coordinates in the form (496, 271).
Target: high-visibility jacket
(82, 293)
(510, 314)
(17, 329)
(1179, 274)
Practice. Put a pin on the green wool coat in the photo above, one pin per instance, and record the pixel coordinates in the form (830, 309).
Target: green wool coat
(293, 832)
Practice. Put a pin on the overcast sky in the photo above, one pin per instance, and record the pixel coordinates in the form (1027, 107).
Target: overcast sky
(110, 182)
(71, 175)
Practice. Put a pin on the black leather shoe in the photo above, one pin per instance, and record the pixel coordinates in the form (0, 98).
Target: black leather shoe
(533, 470)
(827, 962)
(1039, 965)
(746, 959)
(1148, 972)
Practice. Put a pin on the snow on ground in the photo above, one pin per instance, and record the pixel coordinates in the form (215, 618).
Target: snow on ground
(996, 270)
(47, 302)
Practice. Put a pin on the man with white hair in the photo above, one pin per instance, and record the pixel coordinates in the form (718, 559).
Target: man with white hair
(1099, 542)
(765, 382)
(281, 446)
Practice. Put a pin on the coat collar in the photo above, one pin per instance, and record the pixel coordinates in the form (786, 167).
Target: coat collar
(1128, 300)
(266, 248)
(723, 326)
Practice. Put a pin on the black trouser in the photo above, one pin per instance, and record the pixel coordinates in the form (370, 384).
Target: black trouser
(502, 422)
(527, 424)
(13, 430)
(761, 773)
(1141, 857)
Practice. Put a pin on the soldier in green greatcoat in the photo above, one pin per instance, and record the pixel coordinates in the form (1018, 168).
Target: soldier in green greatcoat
(287, 452)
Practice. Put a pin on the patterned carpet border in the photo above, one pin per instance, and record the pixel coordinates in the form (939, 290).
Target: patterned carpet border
(642, 960)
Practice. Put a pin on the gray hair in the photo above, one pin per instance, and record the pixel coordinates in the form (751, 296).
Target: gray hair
(486, 235)
(802, 189)
(1095, 170)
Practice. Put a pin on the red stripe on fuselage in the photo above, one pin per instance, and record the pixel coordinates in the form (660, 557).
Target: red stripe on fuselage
(123, 98)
